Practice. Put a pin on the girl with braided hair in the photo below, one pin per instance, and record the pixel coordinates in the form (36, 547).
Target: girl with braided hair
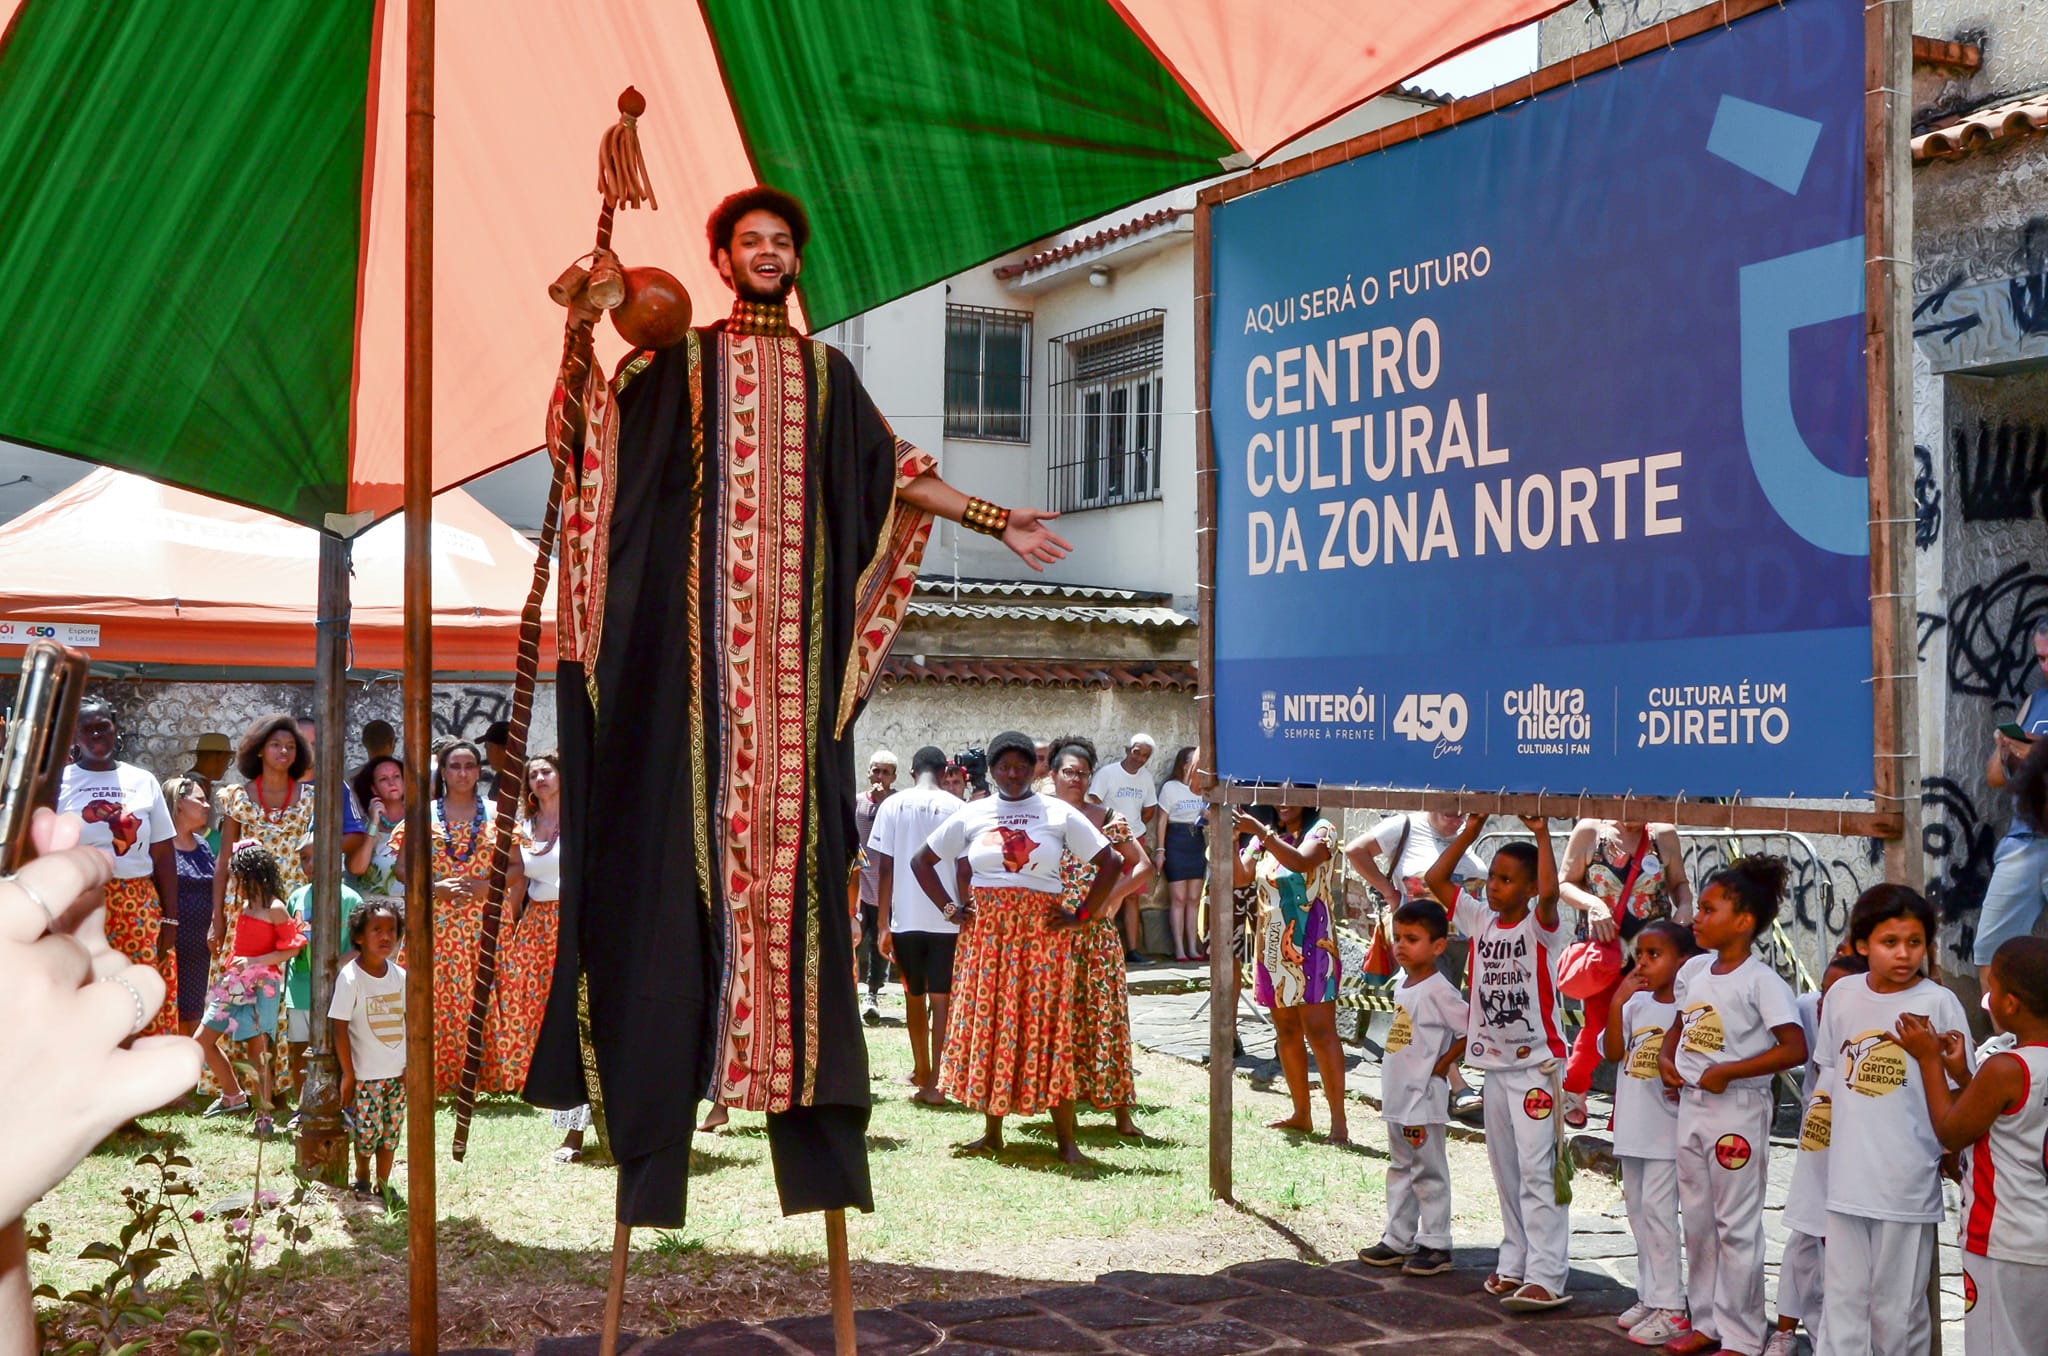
(243, 1004)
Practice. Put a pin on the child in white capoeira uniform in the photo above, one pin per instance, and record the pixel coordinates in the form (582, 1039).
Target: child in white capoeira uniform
(1737, 1026)
(1515, 1033)
(1884, 1160)
(1802, 1266)
(2000, 1122)
(1646, 1129)
(1424, 1044)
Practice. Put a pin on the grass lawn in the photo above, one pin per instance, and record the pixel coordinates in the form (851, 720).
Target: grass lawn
(525, 1242)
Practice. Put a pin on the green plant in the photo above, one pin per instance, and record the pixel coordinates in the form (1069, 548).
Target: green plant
(158, 1229)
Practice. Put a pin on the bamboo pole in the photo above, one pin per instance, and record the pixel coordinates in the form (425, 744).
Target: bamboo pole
(419, 671)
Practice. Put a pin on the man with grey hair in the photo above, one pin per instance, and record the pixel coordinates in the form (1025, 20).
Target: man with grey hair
(872, 965)
(2019, 872)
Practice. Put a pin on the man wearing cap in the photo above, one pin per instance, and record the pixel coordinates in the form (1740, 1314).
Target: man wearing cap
(1127, 788)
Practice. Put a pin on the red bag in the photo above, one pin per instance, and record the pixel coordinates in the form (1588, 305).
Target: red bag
(1379, 954)
(1585, 969)
(1590, 968)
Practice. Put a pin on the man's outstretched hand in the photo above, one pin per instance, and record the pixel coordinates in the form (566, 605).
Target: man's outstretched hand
(1035, 543)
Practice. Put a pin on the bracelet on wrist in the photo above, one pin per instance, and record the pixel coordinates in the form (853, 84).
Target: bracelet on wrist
(981, 516)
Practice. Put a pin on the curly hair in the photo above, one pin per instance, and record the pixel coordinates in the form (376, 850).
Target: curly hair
(1756, 884)
(725, 217)
(253, 865)
(249, 754)
(359, 917)
(1080, 744)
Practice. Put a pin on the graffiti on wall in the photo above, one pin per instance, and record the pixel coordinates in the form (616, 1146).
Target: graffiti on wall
(466, 712)
(1926, 500)
(1959, 844)
(1962, 324)
(1989, 654)
(2002, 472)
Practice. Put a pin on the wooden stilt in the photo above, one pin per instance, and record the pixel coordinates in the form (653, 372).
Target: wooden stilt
(844, 1340)
(615, 1291)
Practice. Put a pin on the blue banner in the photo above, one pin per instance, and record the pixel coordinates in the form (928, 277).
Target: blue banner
(1540, 440)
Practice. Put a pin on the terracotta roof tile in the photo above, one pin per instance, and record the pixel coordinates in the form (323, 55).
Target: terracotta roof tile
(1032, 263)
(1983, 129)
(1139, 675)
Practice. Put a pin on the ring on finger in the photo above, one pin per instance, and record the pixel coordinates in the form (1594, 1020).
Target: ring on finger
(141, 1009)
(18, 883)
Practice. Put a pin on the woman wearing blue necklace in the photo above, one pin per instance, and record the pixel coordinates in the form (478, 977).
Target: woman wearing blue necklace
(462, 838)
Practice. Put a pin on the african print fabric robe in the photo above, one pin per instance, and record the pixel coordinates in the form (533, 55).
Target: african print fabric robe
(735, 564)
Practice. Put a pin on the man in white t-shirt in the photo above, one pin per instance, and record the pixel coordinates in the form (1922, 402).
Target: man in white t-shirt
(909, 928)
(1127, 788)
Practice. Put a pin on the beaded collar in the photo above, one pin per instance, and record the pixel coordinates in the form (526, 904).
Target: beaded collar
(758, 317)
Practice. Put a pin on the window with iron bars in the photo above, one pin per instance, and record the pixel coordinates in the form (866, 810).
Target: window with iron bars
(1107, 385)
(988, 373)
(850, 336)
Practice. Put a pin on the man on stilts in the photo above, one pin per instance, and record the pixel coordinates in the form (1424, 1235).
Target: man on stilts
(738, 550)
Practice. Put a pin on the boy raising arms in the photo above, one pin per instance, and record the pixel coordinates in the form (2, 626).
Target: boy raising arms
(1515, 1033)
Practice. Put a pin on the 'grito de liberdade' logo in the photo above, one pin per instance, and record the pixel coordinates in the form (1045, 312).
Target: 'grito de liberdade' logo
(1876, 1066)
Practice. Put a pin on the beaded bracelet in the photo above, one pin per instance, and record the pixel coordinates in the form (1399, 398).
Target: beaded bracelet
(984, 517)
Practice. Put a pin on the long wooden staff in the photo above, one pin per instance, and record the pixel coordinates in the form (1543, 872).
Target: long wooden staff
(622, 180)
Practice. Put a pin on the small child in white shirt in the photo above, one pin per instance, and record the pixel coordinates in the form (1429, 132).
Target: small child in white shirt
(1424, 1044)
(1884, 1179)
(1802, 1267)
(1737, 1027)
(1515, 1032)
(1646, 1129)
(368, 1013)
(2000, 1122)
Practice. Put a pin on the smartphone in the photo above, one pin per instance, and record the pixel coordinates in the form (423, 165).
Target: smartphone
(2012, 731)
(37, 743)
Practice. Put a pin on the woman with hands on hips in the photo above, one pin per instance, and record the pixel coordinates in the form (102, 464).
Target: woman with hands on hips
(68, 1081)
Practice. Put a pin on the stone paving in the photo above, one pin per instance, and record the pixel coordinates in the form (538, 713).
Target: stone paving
(1267, 1308)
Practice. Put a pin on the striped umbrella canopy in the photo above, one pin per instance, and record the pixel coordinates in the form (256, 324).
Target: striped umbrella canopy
(202, 204)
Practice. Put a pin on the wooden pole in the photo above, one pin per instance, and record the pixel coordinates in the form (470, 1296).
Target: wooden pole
(1222, 916)
(615, 1290)
(419, 671)
(1888, 358)
(839, 1268)
(1888, 367)
(321, 1150)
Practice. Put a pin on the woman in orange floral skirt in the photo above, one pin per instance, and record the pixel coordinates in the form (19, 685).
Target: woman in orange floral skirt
(1010, 1043)
(461, 835)
(1103, 1072)
(533, 920)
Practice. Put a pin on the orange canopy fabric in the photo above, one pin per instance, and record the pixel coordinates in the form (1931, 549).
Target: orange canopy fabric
(172, 577)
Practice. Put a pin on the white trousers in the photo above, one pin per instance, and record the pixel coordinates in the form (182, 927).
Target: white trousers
(1536, 1232)
(1650, 1188)
(1799, 1279)
(1723, 1142)
(1876, 1288)
(1418, 1189)
(2005, 1307)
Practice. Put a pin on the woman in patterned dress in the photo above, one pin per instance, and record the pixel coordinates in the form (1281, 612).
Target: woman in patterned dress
(1103, 1074)
(1295, 971)
(276, 810)
(460, 837)
(1010, 1039)
(533, 918)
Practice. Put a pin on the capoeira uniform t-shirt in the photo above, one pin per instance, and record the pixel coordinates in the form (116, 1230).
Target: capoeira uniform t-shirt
(1729, 1017)
(1645, 1119)
(1428, 1018)
(1514, 1022)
